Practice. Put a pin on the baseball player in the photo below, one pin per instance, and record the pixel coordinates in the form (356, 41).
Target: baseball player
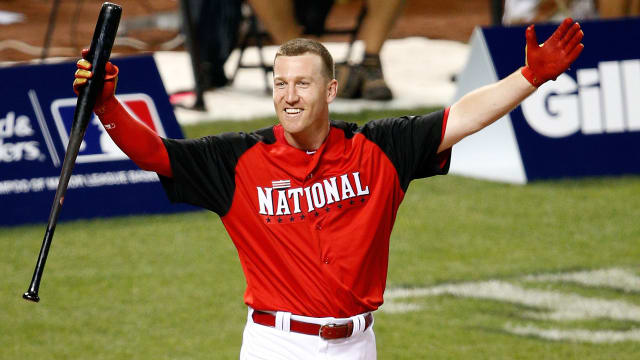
(310, 202)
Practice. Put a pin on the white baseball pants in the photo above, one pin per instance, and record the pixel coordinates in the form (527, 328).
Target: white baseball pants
(261, 342)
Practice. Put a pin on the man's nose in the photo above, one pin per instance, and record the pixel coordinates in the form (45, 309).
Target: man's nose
(292, 95)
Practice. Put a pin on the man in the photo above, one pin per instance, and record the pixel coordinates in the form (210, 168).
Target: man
(310, 203)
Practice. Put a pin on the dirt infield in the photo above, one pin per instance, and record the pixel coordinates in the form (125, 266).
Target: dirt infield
(75, 21)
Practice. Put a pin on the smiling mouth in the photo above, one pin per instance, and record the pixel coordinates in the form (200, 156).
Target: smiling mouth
(292, 111)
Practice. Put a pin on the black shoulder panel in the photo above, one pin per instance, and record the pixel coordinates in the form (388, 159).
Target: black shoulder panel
(349, 129)
(411, 143)
(204, 168)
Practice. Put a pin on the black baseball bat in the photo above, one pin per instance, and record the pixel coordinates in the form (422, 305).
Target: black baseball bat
(103, 38)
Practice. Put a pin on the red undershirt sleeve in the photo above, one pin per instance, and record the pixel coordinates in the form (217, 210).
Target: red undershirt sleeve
(446, 154)
(143, 146)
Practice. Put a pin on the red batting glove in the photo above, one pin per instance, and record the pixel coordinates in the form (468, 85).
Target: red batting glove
(545, 62)
(110, 81)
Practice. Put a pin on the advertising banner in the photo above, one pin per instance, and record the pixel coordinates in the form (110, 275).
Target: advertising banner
(36, 112)
(586, 123)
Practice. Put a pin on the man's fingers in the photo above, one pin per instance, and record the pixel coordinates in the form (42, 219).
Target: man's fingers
(532, 39)
(573, 30)
(574, 41)
(562, 29)
(573, 55)
(83, 64)
(83, 74)
(77, 84)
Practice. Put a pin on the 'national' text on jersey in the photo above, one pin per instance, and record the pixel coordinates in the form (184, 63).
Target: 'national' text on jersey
(317, 195)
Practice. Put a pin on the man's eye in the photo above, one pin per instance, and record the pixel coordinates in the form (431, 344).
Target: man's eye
(303, 83)
(279, 84)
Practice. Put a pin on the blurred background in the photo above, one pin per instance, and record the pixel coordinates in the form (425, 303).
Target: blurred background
(221, 37)
(75, 21)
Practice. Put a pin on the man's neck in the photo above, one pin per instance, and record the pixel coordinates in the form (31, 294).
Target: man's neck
(310, 140)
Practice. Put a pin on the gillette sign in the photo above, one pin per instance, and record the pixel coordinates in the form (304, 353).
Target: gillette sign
(36, 115)
(587, 121)
(602, 100)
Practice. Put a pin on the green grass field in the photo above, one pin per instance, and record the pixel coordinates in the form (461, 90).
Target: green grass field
(170, 286)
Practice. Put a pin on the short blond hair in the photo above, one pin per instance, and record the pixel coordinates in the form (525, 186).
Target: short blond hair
(301, 46)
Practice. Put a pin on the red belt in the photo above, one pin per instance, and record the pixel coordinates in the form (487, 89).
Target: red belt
(327, 331)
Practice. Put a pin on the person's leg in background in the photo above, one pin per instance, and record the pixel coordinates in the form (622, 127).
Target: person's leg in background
(364, 80)
(376, 27)
(278, 17)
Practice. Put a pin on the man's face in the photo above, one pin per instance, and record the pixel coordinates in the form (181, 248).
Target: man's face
(302, 93)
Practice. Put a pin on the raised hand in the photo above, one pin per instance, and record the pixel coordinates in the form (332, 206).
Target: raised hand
(545, 62)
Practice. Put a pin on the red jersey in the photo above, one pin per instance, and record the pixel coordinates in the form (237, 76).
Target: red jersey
(311, 228)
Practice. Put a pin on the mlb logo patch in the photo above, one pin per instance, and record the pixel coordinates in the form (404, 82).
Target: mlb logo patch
(97, 145)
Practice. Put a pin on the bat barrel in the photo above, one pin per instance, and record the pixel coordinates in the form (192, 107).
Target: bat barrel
(103, 38)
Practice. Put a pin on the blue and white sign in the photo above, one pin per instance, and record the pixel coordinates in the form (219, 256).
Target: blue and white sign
(36, 114)
(586, 123)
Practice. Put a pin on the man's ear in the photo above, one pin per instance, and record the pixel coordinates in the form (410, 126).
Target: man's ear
(332, 90)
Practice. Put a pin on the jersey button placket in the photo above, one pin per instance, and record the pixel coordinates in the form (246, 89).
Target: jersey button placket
(318, 234)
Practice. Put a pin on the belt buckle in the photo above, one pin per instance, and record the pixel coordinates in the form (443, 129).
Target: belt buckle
(328, 327)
